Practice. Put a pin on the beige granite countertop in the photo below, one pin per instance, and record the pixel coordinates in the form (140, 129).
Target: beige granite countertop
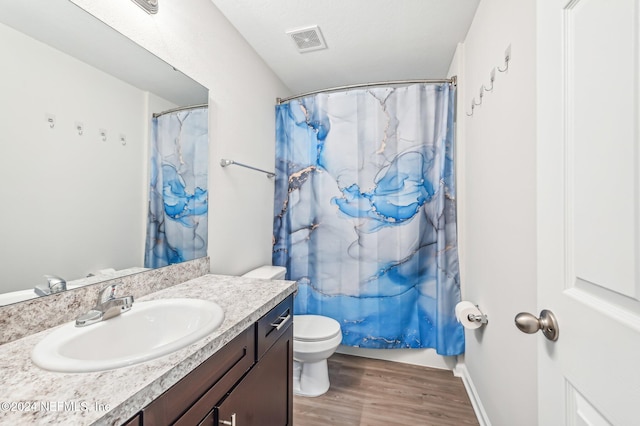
(32, 396)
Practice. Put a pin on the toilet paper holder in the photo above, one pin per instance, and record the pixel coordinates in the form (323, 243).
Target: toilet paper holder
(469, 315)
(481, 318)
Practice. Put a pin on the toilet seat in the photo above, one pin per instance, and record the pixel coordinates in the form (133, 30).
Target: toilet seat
(314, 328)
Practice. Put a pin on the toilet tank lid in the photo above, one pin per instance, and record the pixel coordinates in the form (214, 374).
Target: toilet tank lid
(267, 272)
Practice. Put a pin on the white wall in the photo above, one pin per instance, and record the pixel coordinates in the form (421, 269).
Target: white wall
(63, 192)
(497, 205)
(196, 38)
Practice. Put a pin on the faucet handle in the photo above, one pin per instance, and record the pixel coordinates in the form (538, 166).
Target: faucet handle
(56, 284)
(107, 306)
(107, 293)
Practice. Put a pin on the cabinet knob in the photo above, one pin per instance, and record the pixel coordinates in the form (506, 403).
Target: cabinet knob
(227, 422)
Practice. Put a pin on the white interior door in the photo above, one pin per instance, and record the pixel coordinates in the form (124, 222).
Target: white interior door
(589, 210)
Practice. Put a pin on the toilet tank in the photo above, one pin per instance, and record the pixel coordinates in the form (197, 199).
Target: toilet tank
(267, 272)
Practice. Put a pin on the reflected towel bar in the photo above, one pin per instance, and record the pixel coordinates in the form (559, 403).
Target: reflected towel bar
(224, 163)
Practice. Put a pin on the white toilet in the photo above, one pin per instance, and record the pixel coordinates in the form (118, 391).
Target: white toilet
(315, 338)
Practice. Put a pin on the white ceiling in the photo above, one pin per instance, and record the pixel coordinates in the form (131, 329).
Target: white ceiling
(368, 40)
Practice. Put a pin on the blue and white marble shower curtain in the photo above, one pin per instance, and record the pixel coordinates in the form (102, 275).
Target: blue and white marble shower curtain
(365, 213)
(178, 199)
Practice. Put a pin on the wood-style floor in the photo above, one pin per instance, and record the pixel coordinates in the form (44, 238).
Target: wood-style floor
(369, 392)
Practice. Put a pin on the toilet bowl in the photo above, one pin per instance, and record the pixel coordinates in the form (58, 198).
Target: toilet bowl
(315, 338)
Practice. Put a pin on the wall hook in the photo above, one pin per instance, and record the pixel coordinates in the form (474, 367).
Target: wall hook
(492, 79)
(473, 106)
(481, 95)
(507, 58)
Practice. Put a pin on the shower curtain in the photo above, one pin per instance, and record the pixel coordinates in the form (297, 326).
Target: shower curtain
(177, 218)
(365, 214)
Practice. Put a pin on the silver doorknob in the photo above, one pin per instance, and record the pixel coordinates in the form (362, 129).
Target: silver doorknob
(547, 322)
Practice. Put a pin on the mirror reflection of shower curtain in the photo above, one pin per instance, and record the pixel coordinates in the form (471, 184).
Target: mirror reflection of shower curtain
(365, 215)
(178, 199)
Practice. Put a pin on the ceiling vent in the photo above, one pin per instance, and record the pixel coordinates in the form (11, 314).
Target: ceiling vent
(308, 39)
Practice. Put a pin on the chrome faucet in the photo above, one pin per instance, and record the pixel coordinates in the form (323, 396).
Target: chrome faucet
(55, 284)
(107, 306)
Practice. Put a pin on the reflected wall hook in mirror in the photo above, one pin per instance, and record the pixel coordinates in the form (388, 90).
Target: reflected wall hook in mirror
(51, 119)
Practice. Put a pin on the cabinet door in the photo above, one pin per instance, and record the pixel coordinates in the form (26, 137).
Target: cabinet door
(209, 420)
(135, 421)
(264, 396)
(189, 400)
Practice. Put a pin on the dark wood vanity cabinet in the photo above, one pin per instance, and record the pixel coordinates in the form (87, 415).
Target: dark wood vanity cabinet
(247, 382)
(263, 396)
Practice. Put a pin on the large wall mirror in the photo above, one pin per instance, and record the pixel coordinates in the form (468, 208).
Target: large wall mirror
(75, 122)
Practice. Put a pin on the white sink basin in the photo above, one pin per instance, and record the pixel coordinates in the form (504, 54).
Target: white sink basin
(149, 330)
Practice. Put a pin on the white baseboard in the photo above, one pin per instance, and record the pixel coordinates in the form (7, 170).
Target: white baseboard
(461, 371)
(423, 357)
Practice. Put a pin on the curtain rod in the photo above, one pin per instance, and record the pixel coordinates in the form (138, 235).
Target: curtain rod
(158, 114)
(453, 80)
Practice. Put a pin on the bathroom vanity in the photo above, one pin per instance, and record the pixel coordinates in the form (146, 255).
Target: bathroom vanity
(238, 375)
(247, 382)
